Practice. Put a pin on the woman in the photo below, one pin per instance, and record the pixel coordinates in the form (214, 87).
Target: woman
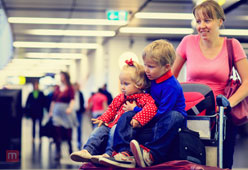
(61, 110)
(207, 62)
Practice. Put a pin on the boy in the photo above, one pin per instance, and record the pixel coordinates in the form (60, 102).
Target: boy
(156, 137)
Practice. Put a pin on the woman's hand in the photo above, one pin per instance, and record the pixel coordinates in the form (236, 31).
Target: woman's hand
(68, 110)
(135, 123)
(96, 121)
(51, 109)
(129, 106)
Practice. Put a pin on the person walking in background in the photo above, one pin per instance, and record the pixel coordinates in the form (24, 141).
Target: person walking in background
(98, 104)
(34, 107)
(80, 109)
(107, 94)
(207, 63)
(89, 107)
(62, 112)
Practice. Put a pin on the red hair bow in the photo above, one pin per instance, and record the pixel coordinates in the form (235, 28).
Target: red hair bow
(130, 62)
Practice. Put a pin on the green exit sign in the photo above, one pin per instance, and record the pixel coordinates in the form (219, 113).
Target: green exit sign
(117, 15)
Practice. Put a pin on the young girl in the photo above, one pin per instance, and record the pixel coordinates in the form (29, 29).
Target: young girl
(133, 83)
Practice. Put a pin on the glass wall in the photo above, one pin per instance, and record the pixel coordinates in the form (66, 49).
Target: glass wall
(6, 39)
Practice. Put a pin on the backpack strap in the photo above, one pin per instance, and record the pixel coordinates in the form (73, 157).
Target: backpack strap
(197, 109)
(202, 105)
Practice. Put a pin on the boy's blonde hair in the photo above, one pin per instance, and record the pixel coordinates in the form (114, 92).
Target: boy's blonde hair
(160, 51)
(137, 73)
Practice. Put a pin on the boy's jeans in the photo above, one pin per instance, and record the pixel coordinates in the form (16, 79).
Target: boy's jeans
(157, 135)
(100, 141)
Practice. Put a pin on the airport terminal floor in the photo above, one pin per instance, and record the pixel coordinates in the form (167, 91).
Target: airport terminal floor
(41, 155)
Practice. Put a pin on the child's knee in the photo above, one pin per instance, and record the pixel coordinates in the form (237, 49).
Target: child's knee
(177, 115)
(178, 118)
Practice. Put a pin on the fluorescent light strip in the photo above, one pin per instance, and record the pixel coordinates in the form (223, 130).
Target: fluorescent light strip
(23, 73)
(25, 44)
(71, 32)
(33, 61)
(30, 20)
(237, 32)
(154, 30)
(55, 55)
(153, 15)
(244, 45)
(243, 17)
(28, 67)
(18, 64)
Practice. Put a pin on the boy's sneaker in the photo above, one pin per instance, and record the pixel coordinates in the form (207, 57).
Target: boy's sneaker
(142, 155)
(81, 156)
(95, 158)
(123, 160)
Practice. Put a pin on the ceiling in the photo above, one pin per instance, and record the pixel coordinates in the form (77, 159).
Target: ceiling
(236, 12)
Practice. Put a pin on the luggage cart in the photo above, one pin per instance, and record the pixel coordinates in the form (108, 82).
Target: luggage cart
(202, 118)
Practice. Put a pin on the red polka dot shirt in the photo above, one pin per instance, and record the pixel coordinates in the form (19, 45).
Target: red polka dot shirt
(115, 109)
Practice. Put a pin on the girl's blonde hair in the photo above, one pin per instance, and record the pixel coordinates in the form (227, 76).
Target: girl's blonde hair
(210, 9)
(137, 73)
(160, 51)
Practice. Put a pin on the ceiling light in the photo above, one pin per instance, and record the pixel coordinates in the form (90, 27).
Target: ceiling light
(243, 17)
(34, 67)
(236, 32)
(32, 73)
(55, 55)
(244, 45)
(154, 30)
(19, 63)
(220, 2)
(153, 15)
(30, 20)
(29, 44)
(71, 32)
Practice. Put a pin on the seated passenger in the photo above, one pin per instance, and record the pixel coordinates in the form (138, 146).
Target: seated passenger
(150, 144)
(133, 83)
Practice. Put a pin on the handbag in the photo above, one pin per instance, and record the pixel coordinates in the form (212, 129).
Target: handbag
(239, 113)
(48, 129)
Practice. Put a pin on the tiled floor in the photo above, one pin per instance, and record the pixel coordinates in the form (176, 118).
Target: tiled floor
(40, 154)
(241, 151)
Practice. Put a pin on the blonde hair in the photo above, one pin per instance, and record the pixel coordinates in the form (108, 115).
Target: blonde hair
(210, 9)
(160, 51)
(138, 76)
